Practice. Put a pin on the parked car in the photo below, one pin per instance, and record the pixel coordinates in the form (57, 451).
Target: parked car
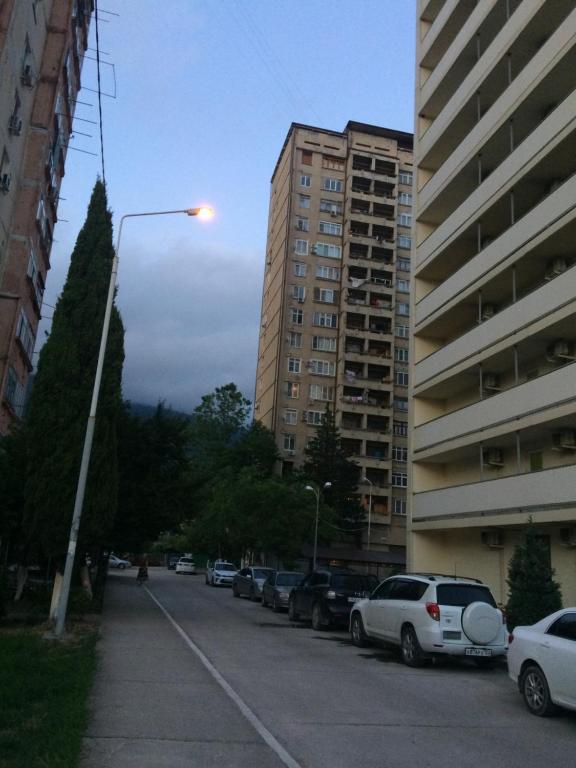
(117, 562)
(542, 661)
(428, 615)
(325, 597)
(277, 588)
(172, 561)
(249, 582)
(186, 565)
(220, 573)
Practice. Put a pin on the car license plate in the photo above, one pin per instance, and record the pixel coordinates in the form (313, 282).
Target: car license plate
(478, 652)
(354, 599)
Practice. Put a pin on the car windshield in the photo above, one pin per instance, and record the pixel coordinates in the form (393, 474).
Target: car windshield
(462, 595)
(225, 567)
(261, 573)
(354, 582)
(289, 579)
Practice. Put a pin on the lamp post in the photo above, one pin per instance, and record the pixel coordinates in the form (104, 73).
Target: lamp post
(316, 492)
(366, 480)
(203, 213)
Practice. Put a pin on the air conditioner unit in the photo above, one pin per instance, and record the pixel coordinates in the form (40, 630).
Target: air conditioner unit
(26, 76)
(556, 267)
(15, 125)
(564, 440)
(488, 311)
(493, 457)
(493, 539)
(5, 180)
(490, 381)
(568, 536)
(300, 300)
(333, 214)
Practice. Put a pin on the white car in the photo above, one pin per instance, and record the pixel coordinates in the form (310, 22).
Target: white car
(117, 562)
(542, 661)
(185, 565)
(430, 614)
(220, 573)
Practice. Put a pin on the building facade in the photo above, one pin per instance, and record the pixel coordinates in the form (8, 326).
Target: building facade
(494, 315)
(335, 307)
(42, 46)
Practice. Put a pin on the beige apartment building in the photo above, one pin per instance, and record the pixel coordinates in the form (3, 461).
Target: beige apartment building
(42, 44)
(335, 308)
(493, 405)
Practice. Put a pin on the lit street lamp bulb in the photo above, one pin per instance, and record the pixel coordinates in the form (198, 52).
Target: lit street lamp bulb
(204, 212)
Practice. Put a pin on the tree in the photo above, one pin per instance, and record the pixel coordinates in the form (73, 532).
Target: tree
(60, 400)
(533, 593)
(327, 462)
(217, 422)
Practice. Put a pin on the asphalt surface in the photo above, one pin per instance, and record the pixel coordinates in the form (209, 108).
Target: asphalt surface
(191, 677)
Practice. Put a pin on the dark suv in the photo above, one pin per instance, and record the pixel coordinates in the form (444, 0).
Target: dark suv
(326, 596)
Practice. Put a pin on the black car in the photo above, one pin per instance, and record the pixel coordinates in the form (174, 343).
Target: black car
(326, 596)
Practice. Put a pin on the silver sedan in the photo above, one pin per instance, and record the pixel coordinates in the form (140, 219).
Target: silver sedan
(277, 588)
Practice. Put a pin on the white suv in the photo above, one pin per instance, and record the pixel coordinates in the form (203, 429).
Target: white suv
(429, 614)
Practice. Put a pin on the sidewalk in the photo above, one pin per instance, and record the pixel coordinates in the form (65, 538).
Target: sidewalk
(153, 703)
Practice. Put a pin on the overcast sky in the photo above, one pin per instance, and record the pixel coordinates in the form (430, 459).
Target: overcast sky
(206, 91)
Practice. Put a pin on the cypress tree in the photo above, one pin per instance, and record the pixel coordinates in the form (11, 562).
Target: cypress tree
(60, 400)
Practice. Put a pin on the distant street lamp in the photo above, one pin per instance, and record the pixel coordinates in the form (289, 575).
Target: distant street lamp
(365, 480)
(203, 212)
(316, 492)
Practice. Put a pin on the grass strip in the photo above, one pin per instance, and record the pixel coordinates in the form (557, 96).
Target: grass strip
(44, 687)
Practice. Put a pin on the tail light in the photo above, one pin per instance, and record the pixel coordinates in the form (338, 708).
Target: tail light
(433, 611)
(510, 638)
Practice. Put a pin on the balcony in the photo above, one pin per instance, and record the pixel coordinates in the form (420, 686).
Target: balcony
(549, 489)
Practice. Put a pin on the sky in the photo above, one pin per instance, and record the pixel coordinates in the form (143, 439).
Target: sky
(205, 91)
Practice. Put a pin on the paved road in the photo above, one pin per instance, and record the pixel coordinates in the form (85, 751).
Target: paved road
(312, 694)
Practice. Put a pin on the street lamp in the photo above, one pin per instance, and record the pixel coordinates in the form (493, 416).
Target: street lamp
(316, 492)
(203, 212)
(366, 480)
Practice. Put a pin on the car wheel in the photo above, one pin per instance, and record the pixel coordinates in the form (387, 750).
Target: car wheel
(235, 591)
(357, 632)
(275, 606)
(534, 688)
(318, 621)
(263, 602)
(293, 614)
(212, 582)
(252, 595)
(121, 567)
(412, 654)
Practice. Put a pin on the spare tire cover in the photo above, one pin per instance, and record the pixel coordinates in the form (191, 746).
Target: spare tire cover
(481, 623)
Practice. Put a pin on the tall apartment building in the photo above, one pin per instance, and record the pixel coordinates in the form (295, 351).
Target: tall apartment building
(336, 304)
(494, 317)
(42, 44)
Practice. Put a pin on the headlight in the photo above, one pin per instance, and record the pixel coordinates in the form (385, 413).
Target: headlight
(331, 595)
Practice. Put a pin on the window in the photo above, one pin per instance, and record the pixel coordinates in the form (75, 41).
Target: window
(35, 278)
(402, 331)
(289, 442)
(401, 403)
(295, 339)
(404, 241)
(324, 343)
(325, 319)
(405, 177)
(399, 479)
(401, 354)
(294, 364)
(326, 295)
(536, 461)
(334, 163)
(5, 176)
(304, 201)
(298, 292)
(307, 155)
(331, 206)
(401, 379)
(327, 273)
(302, 224)
(461, 595)
(314, 417)
(406, 589)
(402, 308)
(43, 223)
(327, 250)
(330, 228)
(25, 335)
(332, 185)
(292, 389)
(290, 416)
(403, 265)
(321, 392)
(400, 453)
(405, 198)
(14, 392)
(405, 219)
(305, 180)
(297, 316)
(301, 247)
(300, 269)
(400, 428)
(322, 367)
(564, 627)
(399, 507)
(403, 286)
